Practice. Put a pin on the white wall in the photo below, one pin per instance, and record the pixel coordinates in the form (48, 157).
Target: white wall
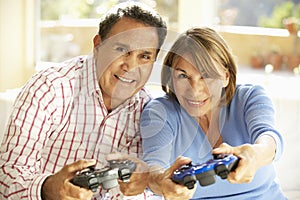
(17, 41)
(196, 13)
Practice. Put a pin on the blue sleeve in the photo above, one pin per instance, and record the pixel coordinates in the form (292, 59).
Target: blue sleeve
(259, 114)
(157, 134)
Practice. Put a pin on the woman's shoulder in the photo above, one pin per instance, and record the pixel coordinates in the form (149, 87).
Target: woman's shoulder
(250, 93)
(246, 90)
(248, 87)
(164, 107)
(164, 101)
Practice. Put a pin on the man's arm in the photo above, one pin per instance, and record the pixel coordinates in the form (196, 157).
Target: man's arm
(27, 133)
(58, 186)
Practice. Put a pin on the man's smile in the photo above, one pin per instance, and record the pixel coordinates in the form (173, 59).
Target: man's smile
(123, 79)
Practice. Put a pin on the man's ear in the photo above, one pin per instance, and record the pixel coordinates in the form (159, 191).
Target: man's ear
(97, 40)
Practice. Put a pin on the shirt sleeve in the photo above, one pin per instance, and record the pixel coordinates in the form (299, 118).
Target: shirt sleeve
(157, 134)
(25, 136)
(259, 114)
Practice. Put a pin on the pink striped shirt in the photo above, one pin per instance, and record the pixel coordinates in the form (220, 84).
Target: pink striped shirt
(58, 118)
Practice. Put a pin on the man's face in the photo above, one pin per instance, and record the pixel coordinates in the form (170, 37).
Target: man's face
(124, 60)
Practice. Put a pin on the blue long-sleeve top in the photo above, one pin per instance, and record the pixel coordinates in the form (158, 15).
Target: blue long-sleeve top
(168, 131)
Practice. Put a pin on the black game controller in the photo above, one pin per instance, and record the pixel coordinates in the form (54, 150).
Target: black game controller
(106, 177)
(205, 173)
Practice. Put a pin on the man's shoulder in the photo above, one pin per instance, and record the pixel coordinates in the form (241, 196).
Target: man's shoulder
(65, 69)
(61, 73)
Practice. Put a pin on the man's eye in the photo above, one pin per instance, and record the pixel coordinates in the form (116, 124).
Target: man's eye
(121, 49)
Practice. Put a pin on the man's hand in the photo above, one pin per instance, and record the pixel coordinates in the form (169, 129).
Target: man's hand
(139, 178)
(58, 186)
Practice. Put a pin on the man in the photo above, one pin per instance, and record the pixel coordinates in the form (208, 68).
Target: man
(68, 118)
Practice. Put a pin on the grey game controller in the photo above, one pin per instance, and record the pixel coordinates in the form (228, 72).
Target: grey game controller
(106, 177)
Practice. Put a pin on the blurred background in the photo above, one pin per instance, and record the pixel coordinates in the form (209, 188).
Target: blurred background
(34, 32)
(263, 34)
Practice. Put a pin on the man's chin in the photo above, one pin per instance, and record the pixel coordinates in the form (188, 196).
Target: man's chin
(125, 93)
(122, 96)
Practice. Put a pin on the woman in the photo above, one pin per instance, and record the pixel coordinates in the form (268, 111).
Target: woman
(204, 112)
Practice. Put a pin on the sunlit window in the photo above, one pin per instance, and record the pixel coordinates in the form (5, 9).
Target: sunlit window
(261, 13)
(67, 27)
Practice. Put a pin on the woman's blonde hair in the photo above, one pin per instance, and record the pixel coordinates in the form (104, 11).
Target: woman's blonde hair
(205, 47)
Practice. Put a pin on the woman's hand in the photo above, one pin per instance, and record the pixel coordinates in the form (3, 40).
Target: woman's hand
(252, 157)
(161, 182)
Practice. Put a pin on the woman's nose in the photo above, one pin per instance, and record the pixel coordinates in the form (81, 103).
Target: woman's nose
(197, 85)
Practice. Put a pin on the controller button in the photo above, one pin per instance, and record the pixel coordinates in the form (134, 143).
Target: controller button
(189, 181)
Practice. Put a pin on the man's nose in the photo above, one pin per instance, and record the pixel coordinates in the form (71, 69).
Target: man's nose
(130, 61)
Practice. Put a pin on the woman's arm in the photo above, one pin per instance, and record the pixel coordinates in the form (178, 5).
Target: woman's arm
(252, 157)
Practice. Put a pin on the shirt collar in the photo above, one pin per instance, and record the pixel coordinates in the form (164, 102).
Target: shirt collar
(134, 103)
(89, 68)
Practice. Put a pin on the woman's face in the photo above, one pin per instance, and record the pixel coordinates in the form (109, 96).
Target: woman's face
(197, 93)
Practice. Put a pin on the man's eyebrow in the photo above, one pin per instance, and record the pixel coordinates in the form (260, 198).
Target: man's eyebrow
(121, 44)
(148, 50)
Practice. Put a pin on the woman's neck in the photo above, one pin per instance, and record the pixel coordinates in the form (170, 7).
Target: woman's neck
(210, 126)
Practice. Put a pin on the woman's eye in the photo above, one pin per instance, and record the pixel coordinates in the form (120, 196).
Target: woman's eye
(204, 75)
(182, 76)
(146, 57)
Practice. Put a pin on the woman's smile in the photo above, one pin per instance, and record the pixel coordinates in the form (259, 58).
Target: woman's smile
(196, 103)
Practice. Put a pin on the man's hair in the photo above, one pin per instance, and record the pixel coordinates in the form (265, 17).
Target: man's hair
(137, 11)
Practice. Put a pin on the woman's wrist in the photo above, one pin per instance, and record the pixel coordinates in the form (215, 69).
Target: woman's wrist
(155, 180)
(265, 147)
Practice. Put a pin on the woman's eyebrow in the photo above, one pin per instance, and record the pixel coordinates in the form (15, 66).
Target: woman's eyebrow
(179, 69)
(147, 52)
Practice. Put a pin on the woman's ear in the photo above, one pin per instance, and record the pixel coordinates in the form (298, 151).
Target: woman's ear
(97, 40)
(226, 78)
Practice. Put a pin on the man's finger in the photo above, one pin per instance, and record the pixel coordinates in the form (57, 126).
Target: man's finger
(79, 165)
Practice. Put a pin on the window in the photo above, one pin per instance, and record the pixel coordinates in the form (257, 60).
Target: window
(67, 27)
(266, 13)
